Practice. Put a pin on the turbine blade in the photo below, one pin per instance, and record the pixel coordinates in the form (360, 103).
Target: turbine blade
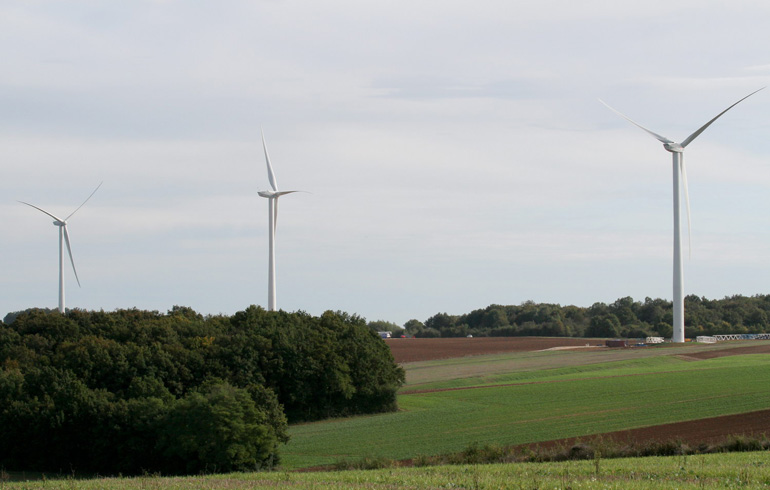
(41, 210)
(283, 193)
(69, 251)
(703, 128)
(658, 137)
(89, 197)
(270, 174)
(683, 171)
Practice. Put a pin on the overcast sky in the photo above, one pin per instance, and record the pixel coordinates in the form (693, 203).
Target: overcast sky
(454, 153)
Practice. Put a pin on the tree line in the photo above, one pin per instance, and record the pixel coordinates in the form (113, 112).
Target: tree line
(134, 391)
(622, 318)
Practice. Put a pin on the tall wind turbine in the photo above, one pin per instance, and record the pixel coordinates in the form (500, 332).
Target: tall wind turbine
(272, 197)
(677, 151)
(64, 236)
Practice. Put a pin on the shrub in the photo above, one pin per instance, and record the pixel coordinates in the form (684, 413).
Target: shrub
(219, 428)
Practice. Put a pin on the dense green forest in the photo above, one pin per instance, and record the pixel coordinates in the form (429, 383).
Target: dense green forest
(623, 318)
(135, 391)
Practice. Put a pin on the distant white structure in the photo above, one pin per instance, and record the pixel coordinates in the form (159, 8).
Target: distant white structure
(653, 340)
(64, 237)
(706, 339)
(677, 151)
(272, 197)
(385, 335)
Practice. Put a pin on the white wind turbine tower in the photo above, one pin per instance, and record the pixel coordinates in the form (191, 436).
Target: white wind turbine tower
(677, 151)
(64, 237)
(272, 196)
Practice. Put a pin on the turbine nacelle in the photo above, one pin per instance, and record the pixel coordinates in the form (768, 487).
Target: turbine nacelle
(673, 147)
(274, 194)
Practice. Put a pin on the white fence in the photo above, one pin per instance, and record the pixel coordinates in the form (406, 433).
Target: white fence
(743, 336)
(710, 339)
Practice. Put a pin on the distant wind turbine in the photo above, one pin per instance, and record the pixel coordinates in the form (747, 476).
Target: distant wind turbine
(272, 196)
(677, 151)
(64, 237)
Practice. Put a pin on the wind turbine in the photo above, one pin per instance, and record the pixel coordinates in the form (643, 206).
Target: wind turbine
(272, 196)
(677, 151)
(64, 237)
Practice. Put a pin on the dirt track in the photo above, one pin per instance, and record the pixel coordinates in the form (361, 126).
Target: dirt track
(696, 432)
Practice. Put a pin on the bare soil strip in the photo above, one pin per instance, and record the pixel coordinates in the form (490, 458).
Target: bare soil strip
(413, 350)
(693, 433)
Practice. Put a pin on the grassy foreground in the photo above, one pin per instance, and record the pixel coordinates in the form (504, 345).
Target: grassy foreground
(523, 406)
(736, 470)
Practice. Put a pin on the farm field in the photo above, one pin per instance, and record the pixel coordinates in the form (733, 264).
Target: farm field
(431, 361)
(412, 350)
(713, 471)
(525, 397)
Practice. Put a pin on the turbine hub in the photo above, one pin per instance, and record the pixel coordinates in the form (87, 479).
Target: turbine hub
(673, 147)
(267, 194)
(59, 223)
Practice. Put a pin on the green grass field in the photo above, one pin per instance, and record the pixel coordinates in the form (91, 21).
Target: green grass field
(563, 396)
(748, 471)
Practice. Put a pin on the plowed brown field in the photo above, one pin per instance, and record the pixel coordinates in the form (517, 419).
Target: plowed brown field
(412, 350)
(693, 433)
(696, 432)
